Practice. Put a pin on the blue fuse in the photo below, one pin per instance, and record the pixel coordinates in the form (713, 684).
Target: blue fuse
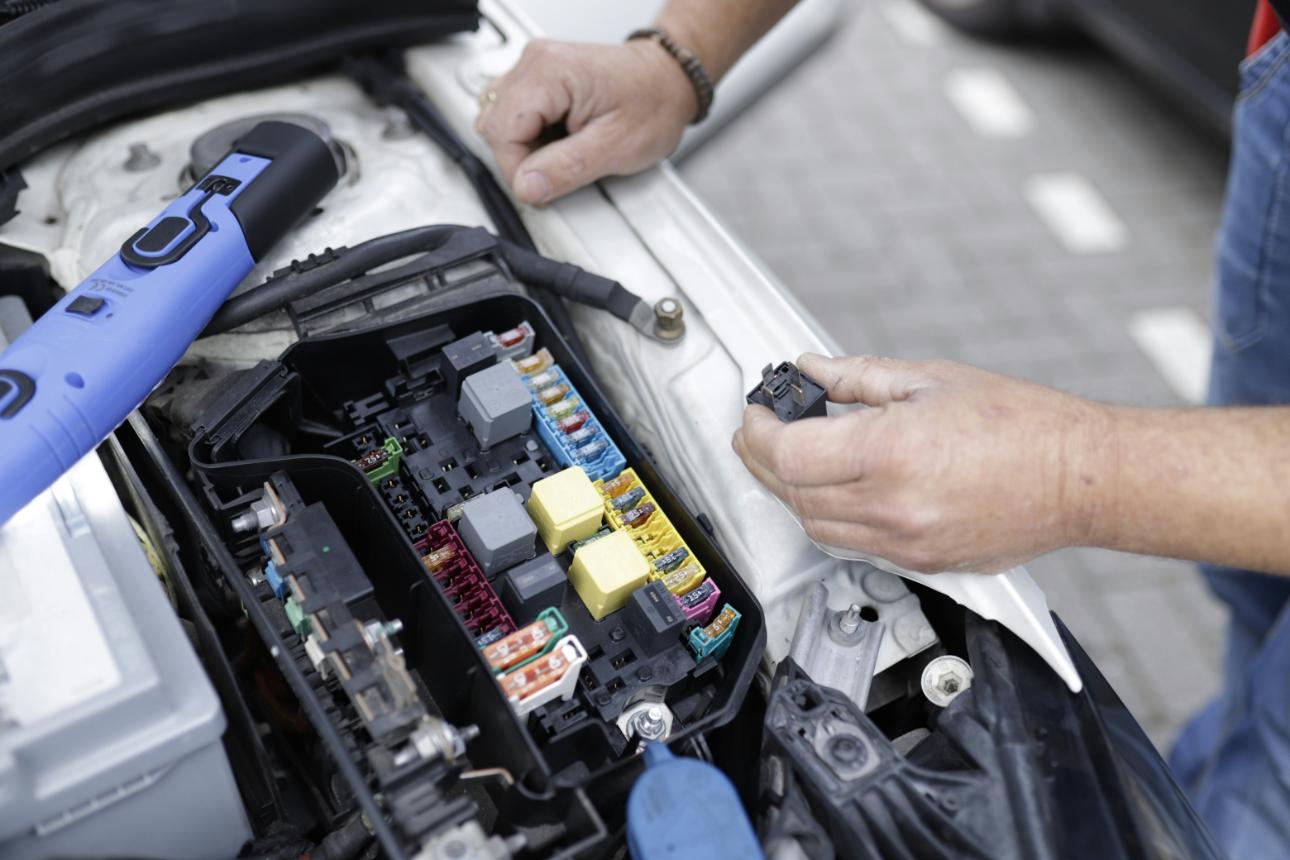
(629, 499)
(669, 562)
(275, 580)
(714, 640)
(490, 637)
(682, 807)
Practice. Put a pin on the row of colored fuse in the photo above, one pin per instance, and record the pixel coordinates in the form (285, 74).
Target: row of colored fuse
(629, 507)
(473, 599)
(538, 663)
(565, 422)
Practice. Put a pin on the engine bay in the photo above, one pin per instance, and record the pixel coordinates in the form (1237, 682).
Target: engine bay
(440, 564)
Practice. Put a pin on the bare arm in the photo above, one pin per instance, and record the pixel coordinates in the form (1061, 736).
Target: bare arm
(1201, 484)
(954, 468)
(623, 106)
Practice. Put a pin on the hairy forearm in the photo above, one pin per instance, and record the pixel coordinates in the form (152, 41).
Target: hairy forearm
(720, 31)
(1200, 484)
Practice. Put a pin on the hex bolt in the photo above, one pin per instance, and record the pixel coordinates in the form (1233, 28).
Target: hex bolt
(945, 678)
(669, 319)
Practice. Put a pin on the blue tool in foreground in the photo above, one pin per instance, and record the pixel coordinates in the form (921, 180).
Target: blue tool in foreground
(70, 379)
(683, 807)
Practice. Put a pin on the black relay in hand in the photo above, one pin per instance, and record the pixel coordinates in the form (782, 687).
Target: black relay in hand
(789, 393)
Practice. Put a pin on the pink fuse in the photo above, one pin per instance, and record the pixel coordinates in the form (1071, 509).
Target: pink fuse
(698, 603)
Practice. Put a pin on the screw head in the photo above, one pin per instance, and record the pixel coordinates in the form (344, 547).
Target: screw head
(945, 678)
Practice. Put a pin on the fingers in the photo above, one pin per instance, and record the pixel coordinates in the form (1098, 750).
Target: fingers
(813, 451)
(566, 164)
(518, 107)
(866, 379)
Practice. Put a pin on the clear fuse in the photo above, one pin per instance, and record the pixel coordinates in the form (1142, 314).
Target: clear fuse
(592, 449)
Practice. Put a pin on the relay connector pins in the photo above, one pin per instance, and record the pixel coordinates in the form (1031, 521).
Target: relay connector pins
(564, 422)
(789, 393)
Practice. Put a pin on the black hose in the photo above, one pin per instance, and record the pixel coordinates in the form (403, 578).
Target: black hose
(332, 267)
(558, 280)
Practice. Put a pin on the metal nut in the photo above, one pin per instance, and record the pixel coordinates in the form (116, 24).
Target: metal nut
(669, 322)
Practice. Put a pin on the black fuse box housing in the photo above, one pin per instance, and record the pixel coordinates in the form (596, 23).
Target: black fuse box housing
(570, 752)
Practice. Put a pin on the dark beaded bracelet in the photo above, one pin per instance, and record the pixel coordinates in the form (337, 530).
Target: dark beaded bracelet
(689, 63)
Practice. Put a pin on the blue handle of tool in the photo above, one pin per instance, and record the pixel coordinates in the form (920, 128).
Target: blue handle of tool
(79, 370)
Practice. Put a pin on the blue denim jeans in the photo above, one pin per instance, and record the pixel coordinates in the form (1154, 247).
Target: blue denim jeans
(1233, 758)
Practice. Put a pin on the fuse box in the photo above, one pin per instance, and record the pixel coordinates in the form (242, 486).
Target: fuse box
(532, 585)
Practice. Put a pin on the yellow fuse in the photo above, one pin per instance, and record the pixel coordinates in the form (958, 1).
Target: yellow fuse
(566, 507)
(606, 572)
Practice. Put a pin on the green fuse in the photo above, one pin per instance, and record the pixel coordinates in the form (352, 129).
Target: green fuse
(296, 615)
(714, 640)
(576, 545)
(381, 462)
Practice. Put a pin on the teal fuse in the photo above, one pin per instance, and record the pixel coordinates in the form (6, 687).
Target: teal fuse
(714, 640)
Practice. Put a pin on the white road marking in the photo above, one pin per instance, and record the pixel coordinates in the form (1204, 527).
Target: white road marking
(912, 23)
(1076, 212)
(1178, 343)
(989, 103)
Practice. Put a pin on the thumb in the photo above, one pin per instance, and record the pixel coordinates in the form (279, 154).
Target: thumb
(566, 164)
(866, 379)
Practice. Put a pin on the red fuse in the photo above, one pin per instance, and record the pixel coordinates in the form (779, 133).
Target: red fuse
(573, 422)
(514, 337)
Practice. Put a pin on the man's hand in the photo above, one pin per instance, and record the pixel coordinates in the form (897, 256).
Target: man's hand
(624, 108)
(951, 468)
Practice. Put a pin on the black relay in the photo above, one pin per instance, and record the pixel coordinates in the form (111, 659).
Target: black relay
(789, 393)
